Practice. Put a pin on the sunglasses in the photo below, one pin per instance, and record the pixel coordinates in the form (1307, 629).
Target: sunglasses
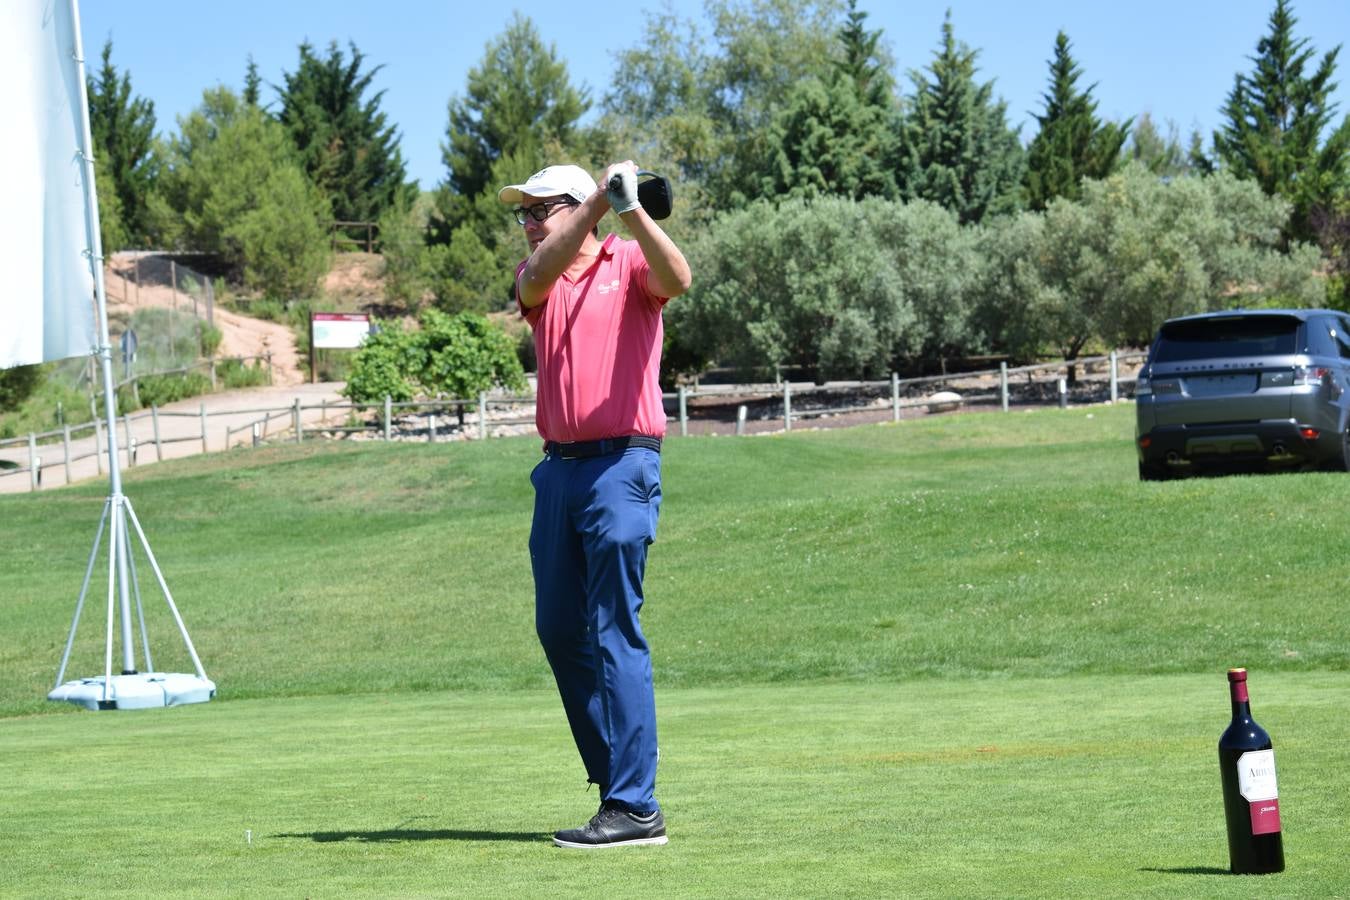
(540, 211)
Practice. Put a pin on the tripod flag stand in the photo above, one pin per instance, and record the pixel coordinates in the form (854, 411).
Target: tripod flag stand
(130, 688)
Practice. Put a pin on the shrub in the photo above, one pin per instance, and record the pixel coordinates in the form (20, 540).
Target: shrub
(18, 384)
(758, 303)
(209, 337)
(233, 373)
(405, 254)
(157, 390)
(384, 365)
(454, 356)
(466, 354)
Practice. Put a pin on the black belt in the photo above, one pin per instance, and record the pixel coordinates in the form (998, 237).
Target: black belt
(588, 449)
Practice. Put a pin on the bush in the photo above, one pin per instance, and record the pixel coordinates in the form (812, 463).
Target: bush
(57, 399)
(758, 303)
(18, 384)
(209, 337)
(453, 356)
(334, 366)
(467, 276)
(232, 373)
(157, 390)
(263, 308)
(466, 354)
(384, 365)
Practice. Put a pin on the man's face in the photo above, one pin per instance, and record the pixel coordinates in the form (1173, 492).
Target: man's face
(554, 210)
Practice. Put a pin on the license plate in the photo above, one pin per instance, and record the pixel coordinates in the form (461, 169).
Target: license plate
(1219, 385)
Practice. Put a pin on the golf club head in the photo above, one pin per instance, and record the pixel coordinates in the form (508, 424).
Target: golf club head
(655, 194)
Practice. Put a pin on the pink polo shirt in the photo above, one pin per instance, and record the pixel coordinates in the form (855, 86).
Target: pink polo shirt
(597, 341)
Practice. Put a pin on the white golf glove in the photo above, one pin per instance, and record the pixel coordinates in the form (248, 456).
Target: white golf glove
(621, 189)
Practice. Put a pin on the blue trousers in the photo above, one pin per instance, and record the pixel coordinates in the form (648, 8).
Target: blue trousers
(593, 520)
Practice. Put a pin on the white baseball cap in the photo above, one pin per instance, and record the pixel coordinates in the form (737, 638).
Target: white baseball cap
(571, 181)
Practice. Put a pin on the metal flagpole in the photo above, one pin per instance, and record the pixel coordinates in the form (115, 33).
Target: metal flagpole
(131, 689)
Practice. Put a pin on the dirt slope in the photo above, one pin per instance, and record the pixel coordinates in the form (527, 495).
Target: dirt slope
(241, 335)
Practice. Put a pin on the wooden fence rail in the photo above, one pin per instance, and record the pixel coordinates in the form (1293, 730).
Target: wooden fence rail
(337, 238)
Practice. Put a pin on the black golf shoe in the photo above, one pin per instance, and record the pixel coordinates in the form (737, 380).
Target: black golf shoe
(615, 827)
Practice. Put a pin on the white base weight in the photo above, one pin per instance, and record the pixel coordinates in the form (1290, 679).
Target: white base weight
(143, 690)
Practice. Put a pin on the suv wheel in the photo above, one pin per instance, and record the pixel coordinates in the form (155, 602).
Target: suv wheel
(1341, 462)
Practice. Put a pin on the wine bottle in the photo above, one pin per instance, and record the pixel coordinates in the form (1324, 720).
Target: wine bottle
(1250, 798)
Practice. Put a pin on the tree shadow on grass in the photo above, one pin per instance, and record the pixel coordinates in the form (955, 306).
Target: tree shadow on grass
(1189, 870)
(398, 835)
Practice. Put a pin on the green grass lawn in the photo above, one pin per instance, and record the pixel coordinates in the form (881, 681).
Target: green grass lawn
(965, 656)
(1075, 786)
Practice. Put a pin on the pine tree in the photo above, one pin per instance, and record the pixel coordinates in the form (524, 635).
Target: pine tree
(862, 61)
(518, 102)
(836, 133)
(957, 148)
(347, 148)
(252, 83)
(123, 128)
(1197, 159)
(1160, 154)
(1275, 119)
(827, 141)
(1072, 143)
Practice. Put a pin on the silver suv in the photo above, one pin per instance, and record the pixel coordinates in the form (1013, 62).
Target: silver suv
(1245, 390)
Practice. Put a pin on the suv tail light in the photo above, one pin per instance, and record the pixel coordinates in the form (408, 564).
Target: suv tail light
(1143, 386)
(1310, 374)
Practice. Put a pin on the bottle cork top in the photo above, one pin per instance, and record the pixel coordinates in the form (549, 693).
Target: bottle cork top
(1237, 675)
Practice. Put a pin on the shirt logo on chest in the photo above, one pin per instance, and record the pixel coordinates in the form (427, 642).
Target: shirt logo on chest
(609, 288)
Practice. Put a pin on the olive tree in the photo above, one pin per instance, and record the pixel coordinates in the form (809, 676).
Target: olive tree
(1011, 295)
(838, 286)
(1135, 250)
(1187, 245)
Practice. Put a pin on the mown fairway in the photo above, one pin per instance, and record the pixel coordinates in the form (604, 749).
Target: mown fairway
(964, 656)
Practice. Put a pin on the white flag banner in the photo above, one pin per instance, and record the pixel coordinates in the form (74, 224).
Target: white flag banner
(47, 303)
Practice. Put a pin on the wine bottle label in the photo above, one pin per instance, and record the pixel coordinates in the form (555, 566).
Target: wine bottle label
(1256, 783)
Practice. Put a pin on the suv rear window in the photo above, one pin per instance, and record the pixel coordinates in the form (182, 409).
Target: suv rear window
(1227, 337)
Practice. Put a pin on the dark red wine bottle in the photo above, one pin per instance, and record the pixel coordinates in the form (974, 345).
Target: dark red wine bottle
(1250, 798)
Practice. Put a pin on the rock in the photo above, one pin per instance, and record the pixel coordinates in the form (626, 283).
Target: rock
(944, 401)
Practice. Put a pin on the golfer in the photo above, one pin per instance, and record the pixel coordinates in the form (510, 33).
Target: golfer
(595, 308)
